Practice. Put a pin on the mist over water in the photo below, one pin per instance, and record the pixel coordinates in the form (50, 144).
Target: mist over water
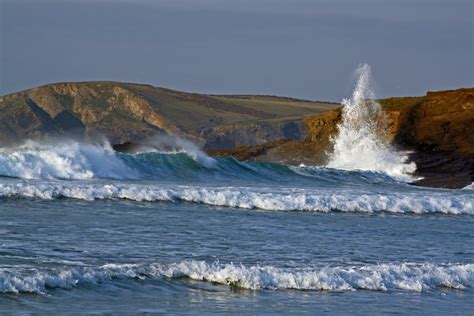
(359, 144)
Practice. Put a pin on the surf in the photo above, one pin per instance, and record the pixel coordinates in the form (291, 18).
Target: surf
(71, 160)
(269, 198)
(66, 159)
(360, 143)
(415, 277)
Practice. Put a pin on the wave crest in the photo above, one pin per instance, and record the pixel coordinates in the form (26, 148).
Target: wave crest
(382, 277)
(469, 187)
(71, 160)
(62, 160)
(254, 198)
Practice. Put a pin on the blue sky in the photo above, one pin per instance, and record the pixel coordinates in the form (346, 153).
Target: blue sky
(300, 48)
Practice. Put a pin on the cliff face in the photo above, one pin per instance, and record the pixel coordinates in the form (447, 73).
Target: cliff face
(81, 110)
(131, 112)
(439, 121)
(21, 119)
(438, 128)
(252, 133)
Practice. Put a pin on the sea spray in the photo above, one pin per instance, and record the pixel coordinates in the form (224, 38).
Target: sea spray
(469, 187)
(68, 159)
(358, 144)
(62, 160)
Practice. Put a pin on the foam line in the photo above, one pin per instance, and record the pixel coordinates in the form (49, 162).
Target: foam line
(250, 198)
(383, 277)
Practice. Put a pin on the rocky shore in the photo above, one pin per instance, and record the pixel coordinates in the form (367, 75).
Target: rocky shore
(437, 129)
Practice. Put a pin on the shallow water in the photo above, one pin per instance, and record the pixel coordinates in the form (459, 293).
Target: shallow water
(174, 233)
(153, 257)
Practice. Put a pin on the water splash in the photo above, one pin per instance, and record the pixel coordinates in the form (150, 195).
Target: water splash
(469, 187)
(62, 159)
(358, 144)
(68, 159)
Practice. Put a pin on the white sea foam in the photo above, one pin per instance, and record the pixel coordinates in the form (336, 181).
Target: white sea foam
(62, 160)
(382, 277)
(358, 145)
(68, 159)
(469, 187)
(249, 198)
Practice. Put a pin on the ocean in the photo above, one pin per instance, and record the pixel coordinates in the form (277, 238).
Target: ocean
(88, 230)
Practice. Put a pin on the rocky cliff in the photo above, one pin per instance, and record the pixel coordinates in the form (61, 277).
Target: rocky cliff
(125, 112)
(437, 128)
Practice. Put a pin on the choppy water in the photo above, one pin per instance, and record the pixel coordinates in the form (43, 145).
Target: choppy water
(162, 232)
(86, 230)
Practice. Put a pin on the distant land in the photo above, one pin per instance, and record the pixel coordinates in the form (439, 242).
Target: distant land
(437, 128)
(124, 112)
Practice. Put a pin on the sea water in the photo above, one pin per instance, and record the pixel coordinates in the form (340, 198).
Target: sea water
(86, 230)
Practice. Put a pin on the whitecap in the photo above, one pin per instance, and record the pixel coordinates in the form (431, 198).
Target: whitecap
(62, 160)
(253, 198)
(382, 277)
(469, 187)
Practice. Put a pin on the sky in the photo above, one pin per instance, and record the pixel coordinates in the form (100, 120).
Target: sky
(300, 48)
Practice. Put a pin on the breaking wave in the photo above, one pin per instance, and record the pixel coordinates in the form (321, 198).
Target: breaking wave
(271, 198)
(382, 277)
(358, 144)
(71, 160)
(188, 175)
(469, 187)
(62, 160)
(78, 161)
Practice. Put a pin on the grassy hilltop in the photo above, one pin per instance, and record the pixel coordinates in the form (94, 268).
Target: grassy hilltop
(126, 112)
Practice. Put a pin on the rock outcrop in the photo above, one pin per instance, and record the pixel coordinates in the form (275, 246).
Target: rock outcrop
(437, 128)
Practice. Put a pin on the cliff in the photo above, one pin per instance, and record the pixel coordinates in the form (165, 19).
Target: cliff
(437, 128)
(124, 112)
